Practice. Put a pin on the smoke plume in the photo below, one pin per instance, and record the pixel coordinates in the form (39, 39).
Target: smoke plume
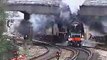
(74, 5)
(94, 24)
(41, 22)
(24, 27)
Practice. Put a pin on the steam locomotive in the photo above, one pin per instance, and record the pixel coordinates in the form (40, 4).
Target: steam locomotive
(75, 33)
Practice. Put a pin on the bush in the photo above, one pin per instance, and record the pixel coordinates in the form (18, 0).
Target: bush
(5, 46)
(6, 49)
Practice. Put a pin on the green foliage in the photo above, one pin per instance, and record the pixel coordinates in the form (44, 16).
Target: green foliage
(2, 19)
(6, 49)
(2, 14)
(5, 46)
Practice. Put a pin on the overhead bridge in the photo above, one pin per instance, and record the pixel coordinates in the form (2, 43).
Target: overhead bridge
(94, 8)
(33, 8)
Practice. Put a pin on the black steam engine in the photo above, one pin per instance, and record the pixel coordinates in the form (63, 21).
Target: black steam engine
(75, 33)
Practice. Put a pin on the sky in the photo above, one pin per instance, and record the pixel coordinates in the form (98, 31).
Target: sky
(74, 4)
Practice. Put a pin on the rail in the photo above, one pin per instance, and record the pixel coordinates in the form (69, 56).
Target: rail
(75, 52)
(87, 51)
(42, 54)
(49, 50)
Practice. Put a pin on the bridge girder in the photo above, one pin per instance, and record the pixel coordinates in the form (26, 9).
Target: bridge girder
(93, 10)
(33, 8)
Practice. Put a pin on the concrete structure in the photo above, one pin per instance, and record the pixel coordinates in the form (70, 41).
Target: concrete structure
(95, 11)
(94, 8)
(29, 7)
(36, 6)
(33, 8)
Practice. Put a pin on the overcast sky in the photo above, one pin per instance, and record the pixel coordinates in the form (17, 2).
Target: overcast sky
(74, 4)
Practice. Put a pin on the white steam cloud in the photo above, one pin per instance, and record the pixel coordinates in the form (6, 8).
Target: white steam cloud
(38, 21)
(41, 23)
(74, 4)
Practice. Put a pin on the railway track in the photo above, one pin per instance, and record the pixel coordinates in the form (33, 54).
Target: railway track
(72, 53)
(84, 54)
(77, 53)
(51, 52)
(41, 54)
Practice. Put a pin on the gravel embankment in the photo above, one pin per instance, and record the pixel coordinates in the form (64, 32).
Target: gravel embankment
(102, 53)
(33, 51)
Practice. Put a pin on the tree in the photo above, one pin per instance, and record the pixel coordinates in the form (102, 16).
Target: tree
(5, 46)
(2, 18)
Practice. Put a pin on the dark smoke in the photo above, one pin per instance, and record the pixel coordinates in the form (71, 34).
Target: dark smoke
(94, 24)
(97, 26)
(24, 27)
(65, 12)
(64, 17)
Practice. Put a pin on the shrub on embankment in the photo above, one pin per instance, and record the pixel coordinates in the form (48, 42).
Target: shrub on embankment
(5, 46)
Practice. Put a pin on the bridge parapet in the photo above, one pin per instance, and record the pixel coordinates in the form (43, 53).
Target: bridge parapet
(94, 8)
(46, 2)
(34, 6)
